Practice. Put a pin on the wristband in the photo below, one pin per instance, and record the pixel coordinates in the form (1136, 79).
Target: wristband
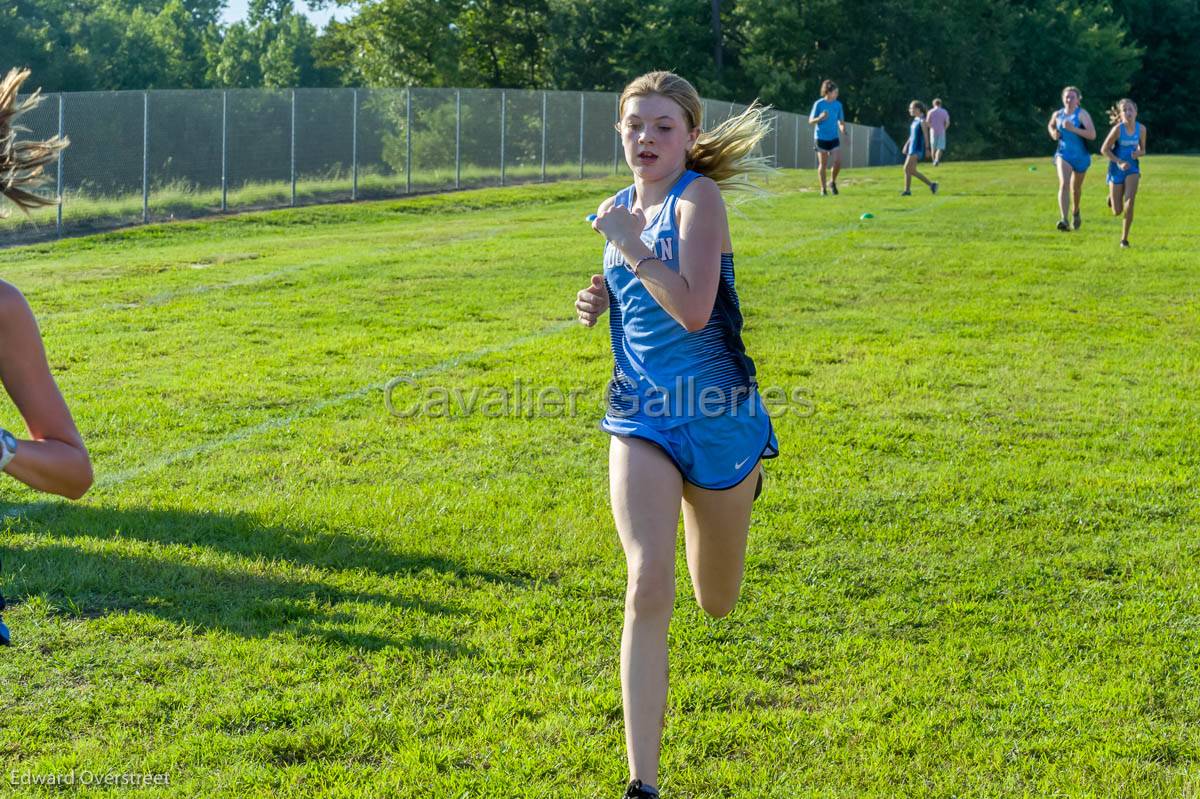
(641, 261)
(8, 447)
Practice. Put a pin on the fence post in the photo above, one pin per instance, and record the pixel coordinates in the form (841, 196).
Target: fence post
(354, 149)
(408, 140)
(617, 139)
(581, 101)
(293, 155)
(543, 137)
(775, 125)
(145, 157)
(457, 138)
(224, 151)
(796, 160)
(59, 179)
(503, 109)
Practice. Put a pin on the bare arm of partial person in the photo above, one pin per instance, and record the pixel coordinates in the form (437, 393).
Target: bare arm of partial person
(53, 458)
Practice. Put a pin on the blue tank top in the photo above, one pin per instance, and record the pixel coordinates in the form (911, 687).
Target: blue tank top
(916, 136)
(661, 372)
(1070, 145)
(1127, 143)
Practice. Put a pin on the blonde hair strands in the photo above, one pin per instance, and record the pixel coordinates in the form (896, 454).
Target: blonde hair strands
(725, 154)
(22, 163)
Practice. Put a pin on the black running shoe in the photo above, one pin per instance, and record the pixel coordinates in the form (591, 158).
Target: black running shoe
(638, 791)
(933, 187)
(834, 187)
(906, 194)
(1125, 244)
(824, 192)
(1078, 221)
(1063, 226)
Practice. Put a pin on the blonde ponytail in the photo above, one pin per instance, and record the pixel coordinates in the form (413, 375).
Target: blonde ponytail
(22, 163)
(1114, 113)
(725, 154)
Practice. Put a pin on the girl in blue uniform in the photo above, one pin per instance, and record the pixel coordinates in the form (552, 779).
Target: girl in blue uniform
(689, 429)
(1070, 126)
(1123, 146)
(915, 148)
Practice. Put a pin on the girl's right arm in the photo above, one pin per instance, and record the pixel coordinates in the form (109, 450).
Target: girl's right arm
(1106, 149)
(54, 458)
(1052, 126)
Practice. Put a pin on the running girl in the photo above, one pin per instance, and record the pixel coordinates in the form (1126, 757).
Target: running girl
(1128, 137)
(689, 429)
(1069, 126)
(829, 122)
(915, 148)
(53, 458)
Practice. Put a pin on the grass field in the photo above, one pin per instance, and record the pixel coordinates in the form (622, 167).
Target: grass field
(974, 572)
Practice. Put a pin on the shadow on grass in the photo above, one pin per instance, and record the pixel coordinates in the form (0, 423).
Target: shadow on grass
(334, 597)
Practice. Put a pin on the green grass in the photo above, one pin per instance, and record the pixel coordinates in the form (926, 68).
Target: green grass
(973, 572)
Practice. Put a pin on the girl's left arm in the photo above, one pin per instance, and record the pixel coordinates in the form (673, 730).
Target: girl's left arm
(1088, 130)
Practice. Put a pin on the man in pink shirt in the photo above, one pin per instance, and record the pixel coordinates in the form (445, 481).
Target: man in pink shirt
(939, 120)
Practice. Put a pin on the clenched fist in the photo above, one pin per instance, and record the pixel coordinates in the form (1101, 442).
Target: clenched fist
(592, 301)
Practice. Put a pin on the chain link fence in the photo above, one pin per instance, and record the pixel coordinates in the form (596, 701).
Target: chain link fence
(138, 157)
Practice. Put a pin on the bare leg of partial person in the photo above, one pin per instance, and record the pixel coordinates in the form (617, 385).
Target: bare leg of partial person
(822, 166)
(647, 491)
(837, 162)
(716, 526)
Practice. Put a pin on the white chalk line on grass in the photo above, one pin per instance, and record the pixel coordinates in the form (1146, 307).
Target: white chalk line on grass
(116, 478)
(269, 425)
(250, 280)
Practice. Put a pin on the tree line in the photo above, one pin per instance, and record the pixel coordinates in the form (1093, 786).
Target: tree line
(998, 66)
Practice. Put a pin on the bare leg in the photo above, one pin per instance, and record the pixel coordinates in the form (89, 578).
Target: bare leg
(837, 162)
(1131, 188)
(1077, 187)
(716, 524)
(1116, 192)
(1064, 188)
(911, 171)
(822, 164)
(646, 493)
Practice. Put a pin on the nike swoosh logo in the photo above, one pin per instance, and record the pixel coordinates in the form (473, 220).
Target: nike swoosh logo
(739, 464)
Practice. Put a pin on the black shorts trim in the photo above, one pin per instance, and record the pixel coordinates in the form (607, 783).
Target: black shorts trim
(827, 144)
